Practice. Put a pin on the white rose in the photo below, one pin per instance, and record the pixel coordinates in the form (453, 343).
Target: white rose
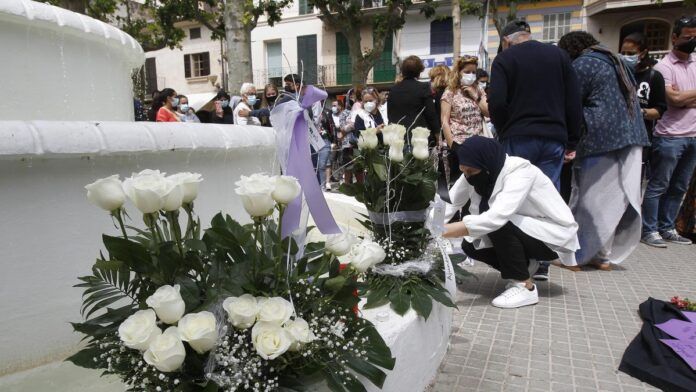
(392, 133)
(419, 133)
(365, 255)
(199, 330)
(106, 193)
(396, 151)
(270, 340)
(151, 191)
(166, 352)
(241, 311)
(167, 303)
(188, 183)
(275, 310)
(256, 193)
(139, 330)
(340, 244)
(299, 331)
(287, 189)
(368, 139)
(421, 152)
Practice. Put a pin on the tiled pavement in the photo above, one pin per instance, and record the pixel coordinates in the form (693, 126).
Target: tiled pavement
(573, 339)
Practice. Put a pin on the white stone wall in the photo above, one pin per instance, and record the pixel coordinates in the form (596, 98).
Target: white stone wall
(50, 234)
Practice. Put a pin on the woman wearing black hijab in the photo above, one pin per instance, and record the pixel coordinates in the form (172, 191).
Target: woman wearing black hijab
(517, 217)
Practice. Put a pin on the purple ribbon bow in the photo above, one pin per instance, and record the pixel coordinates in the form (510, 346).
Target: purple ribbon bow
(300, 166)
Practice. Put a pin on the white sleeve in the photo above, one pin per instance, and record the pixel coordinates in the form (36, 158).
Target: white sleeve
(239, 120)
(506, 203)
(459, 194)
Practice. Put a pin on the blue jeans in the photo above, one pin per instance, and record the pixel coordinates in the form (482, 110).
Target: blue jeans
(323, 161)
(671, 165)
(544, 153)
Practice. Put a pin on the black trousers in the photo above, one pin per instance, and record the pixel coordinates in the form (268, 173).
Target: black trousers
(511, 251)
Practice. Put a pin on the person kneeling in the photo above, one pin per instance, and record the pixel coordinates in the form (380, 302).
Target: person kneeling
(517, 218)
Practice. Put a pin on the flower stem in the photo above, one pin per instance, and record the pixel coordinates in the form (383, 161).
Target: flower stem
(117, 214)
(173, 218)
(151, 223)
(281, 211)
(190, 224)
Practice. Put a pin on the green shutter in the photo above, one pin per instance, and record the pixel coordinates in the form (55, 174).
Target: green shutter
(384, 69)
(307, 58)
(343, 64)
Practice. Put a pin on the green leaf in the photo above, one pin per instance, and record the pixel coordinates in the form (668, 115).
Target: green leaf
(400, 301)
(421, 303)
(440, 295)
(380, 170)
(335, 283)
(132, 253)
(370, 371)
(85, 357)
(189, 292)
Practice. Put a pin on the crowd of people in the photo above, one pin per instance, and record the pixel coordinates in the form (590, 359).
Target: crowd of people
(566, 154)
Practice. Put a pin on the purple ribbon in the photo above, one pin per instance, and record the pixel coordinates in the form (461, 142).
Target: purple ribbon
(300, 166)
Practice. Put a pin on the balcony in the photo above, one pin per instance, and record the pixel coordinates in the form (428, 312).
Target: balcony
(595, 7)
(330, 77)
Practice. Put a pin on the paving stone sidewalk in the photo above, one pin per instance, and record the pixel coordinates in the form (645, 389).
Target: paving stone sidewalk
(573, 340)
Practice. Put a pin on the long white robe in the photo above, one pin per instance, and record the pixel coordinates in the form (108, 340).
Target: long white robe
(526, 197)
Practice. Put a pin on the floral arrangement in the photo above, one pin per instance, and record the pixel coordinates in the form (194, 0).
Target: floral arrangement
(683, 303)
(232, 308)
(399, 188)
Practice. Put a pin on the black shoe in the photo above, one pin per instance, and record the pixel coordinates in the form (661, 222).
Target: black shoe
(542, 273)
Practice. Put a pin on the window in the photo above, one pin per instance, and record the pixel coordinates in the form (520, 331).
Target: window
(274, 59)
(555, 25)
(441, 36)
(307, 58)
(197, 65)
(151, 75)
(656, 32)
(305, 8)
(195, 33)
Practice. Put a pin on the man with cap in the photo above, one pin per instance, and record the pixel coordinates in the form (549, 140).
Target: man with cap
(535, 103)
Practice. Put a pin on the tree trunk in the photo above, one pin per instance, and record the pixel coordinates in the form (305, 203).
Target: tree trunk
(456, 30)
(238, 38)
(79, 6)
(360, 66)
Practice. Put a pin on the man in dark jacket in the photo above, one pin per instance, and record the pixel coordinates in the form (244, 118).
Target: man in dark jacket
(534, 100)
(535, 103)
(410, 102)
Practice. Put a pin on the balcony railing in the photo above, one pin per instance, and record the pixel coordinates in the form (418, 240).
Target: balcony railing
(331, 75)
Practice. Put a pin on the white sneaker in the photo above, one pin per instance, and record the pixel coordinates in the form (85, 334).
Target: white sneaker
(516, 296)
(328, 186)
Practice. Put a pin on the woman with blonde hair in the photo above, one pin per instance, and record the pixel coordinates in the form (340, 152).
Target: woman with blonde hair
(463, 107)
(439, 78)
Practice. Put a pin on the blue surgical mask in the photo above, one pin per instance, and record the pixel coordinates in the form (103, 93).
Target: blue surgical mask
(184, 108)
(631, 61)
(334, 109)
(224, 103)
(175, 102)
(251, 99)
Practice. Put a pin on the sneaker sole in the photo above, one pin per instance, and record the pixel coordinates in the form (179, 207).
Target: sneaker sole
(679, 242)
(542, 278)
(526, 303)
(661, 246)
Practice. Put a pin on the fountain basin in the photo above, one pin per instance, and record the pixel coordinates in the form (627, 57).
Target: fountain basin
(60, 65)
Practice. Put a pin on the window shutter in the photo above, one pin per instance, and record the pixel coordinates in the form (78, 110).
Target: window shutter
(441, 36)
(205, 64)
(187, 65)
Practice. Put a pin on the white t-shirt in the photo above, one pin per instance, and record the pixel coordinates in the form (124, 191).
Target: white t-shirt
(244, 120)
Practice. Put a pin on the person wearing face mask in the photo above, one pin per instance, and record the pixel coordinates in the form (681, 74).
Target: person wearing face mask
(674, 144)
(268, 102)
(222, 114)
(369, 116)
(166, 104)
(482, 79)
(248, 94)
(464, 106)
(517, 218)
(650, 85)
(185, 112)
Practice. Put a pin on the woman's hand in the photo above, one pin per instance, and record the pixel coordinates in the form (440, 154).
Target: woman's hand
(218, 109)
(472, 92)
(455, 230)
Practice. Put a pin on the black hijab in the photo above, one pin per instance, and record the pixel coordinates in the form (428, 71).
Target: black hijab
(487, 155)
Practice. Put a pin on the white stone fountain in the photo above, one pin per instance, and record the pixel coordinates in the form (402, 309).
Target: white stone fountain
(65, 120)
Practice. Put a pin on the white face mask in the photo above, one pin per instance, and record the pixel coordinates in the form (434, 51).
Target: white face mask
(482, 85)
(370, 106)
(468, 79)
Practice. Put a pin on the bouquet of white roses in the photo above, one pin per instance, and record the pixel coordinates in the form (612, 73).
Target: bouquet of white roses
(232, 310)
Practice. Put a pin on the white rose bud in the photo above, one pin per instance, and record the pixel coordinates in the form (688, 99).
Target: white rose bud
(167, 303)
(106, 193)
(139, 330)
(299, 331)
(151, 191)
(421, 152)
(275, 310)
(166, 352)
(420, 133)
(256, 192)
(270, 340)
(365, 255)
(189, 184)
(396, 151)
(340, 244)
(368, 139)
(199, 330)
(286, 190)
(241, 311)
(392, 133)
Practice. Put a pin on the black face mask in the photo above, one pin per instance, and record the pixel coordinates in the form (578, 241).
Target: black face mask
(688, 46)
(289, 89)
(480, 182)
(271, 99)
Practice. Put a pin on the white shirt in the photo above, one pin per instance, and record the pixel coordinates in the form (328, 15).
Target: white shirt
(524, 196)
(244, 120)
